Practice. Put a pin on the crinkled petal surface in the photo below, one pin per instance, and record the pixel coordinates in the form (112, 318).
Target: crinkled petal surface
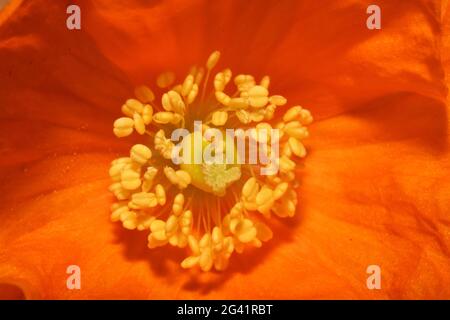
(374, 187)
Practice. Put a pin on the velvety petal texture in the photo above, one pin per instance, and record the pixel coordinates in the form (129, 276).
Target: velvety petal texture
(374, 187)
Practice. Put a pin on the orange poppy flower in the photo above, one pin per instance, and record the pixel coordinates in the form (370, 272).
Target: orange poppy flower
(373, 187)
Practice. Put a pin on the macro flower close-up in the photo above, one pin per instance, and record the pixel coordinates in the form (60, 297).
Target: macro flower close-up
(348, 182)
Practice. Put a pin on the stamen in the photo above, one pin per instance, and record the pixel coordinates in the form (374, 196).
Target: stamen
(165, 79)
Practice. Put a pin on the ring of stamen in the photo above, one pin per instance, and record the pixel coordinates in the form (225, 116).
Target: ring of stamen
(212, 209)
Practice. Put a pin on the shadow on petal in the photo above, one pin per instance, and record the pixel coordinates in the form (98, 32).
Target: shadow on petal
(165, 261)
(10, 291)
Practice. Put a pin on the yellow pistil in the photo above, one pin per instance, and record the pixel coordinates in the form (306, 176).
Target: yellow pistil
(210, 209)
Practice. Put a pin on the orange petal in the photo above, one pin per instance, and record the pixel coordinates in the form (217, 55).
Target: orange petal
(320, 53)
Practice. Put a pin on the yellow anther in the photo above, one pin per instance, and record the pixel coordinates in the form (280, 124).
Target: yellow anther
(217, 236)
(212, 60)
(244, 94)
(278, 100)
(165, 79)
(286, 150)
(296, 131)
(280, 190)
(227, 75)
(172, 101)
(257, 116)
(129, 220)
(163, 145)
(144, 94)
(186, 222)
(165, 117)
(126, 215)
(244, 82)
(223, 98)
(166, 102)
(149, 176)
(193, 94)
(117, 166)
(130, 179)
(292, 125)
(245, 231)
(219, 81)
(189, 262)
(238, 103)
(219, 118)
(134, 166)
(160, 194)
(116, 210)
(193, 245)
(177, 102)
(180, 177)
(270, 112)
(265, 82)
(143, 200)
(297, 147)
(134, 105)
(298, 113)
(250, 189)
(178, 204)
(171, 225)
(257, 96)
(176, 118)
(178, 228)
(127, 111)
(140, 153)
(243, 116)
(264, 196)
(184, 179)
(119, 192)
(205, 241)
(238, 209)
(145, 222)
(129, 224)
(123, 127)
(187, 85)
(285, 207)
(286, 164)
(205, 261)
(306, 117)
(292, 114)
(139, 124)
(154, 243)
(264, 200)
(147, 114)
(158, 229)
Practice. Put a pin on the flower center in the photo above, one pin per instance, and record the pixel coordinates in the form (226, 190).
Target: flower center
(210, 176)
(214, 201)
